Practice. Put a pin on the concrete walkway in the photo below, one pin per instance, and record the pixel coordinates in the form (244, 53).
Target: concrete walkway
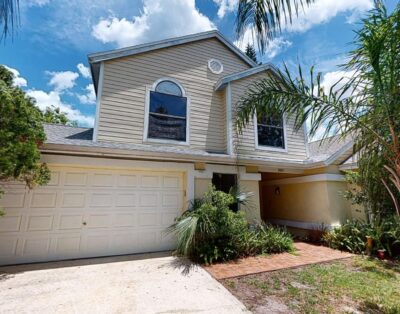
(305, 254)
(152, 283)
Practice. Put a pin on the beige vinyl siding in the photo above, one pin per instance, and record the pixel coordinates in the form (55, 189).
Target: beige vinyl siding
(122, 108)
(296, 148)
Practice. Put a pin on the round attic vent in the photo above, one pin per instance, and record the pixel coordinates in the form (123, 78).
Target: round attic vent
(215, 66)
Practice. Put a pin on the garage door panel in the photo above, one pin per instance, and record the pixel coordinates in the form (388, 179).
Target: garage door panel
(98, 221)
(13, 199)
(102, 180)
(36, 246)
(75, 178)
(9, 223)
(70, 222)
(73, 199)
(40, 222)
(67, 245)
(150, 181)
(125, 199)
(101, 199)
(171, 182)
(8, 247)
(148, 199)
(88, 212)
(127, 180)
(124, 220)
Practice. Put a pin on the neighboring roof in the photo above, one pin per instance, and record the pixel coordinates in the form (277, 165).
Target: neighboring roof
(332, 147)
(96, 58)
(77, 140)
(222, 82)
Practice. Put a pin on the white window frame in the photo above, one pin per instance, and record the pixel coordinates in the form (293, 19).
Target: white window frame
(146, 139)
(270, 148)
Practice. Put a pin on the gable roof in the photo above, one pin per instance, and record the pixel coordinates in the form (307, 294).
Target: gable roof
(96, 58)
(222, 82)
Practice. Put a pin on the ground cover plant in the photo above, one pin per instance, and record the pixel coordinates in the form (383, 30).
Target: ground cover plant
(349, 286)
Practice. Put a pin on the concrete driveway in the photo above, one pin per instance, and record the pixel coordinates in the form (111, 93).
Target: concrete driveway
(148, 283)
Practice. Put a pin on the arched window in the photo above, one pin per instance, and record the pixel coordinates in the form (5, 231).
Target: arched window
(167, 120)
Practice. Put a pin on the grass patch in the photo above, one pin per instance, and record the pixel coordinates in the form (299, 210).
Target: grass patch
(361, 284)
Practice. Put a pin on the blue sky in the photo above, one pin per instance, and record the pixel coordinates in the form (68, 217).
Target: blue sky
(48, 54)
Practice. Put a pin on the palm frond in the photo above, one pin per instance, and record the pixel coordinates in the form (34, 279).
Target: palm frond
(185, 231)
(265, 17)
(9, 16)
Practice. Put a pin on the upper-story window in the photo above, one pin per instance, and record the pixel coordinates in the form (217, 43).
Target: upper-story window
(167, 112)
(271, 132)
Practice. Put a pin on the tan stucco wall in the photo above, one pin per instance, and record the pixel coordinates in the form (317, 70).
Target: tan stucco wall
(252, 210)
(317, 202)
(356, 211)
(201, 187)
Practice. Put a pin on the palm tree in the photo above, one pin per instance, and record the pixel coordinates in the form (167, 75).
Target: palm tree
(9, 16)
(265, 17)
(366, 105)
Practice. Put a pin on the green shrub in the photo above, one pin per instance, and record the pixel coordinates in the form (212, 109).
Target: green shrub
(352, 236)
(209, 232)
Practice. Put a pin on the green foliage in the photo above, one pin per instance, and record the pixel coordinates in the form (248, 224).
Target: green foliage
(351, 236)
(21, 135)
(209, 232)
(55, 115)
(251, 53)
(358, 285)
(364, 106)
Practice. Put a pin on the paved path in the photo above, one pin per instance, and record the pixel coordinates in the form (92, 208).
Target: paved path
(305, 254)
(130, 284)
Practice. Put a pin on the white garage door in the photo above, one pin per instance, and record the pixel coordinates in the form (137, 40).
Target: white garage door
(87, 212)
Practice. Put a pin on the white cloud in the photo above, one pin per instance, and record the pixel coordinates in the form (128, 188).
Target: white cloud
(331, 78)
(90, 96)
(62, 80)
(37, 3)
(83, 70)
(322, 11)
(226, 6)
(275, 46)
(44, 100)
(18, 79)
(160, 19)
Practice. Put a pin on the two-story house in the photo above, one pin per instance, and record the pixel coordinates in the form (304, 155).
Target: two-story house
(164, 131)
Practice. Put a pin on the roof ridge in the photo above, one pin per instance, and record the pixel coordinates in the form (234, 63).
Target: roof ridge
(66, 126)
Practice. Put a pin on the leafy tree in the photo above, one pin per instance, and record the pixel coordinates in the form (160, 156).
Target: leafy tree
(251, 53)
(21, 135)
(265, 17)
(55, 115)
(365, 106)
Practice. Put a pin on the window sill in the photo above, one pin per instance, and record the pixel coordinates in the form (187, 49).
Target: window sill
(272, 149)
(162, 141)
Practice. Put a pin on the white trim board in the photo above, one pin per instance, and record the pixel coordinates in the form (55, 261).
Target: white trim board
(98, 102)
(303, 224)
(306, 179)
(224, 81)
(241, 172)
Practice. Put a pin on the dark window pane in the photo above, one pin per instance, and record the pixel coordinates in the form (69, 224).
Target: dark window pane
(270, 136)
(168, 87)
(167, 128)
(271, 120)
(168, 104)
